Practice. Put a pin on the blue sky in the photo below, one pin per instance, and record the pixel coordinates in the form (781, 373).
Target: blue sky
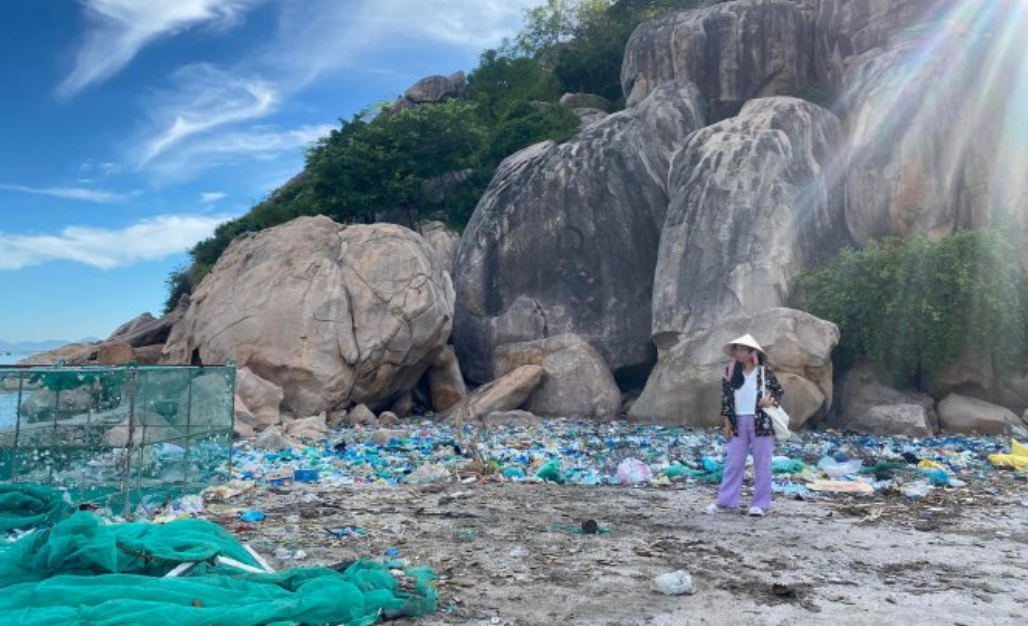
(130, 128)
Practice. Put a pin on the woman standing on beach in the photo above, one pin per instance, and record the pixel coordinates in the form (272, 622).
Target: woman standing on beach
(747, 388)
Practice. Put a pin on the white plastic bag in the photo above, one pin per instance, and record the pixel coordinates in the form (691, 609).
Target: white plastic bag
(633, 472)
(779, 418)
(674, 584)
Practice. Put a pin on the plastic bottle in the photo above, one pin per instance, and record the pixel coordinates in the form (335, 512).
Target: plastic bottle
(674, 584)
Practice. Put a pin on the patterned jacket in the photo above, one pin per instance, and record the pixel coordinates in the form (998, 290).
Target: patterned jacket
(763, 424)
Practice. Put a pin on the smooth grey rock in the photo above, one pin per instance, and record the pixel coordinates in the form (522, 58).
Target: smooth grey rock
(753, 205)
(962, 415)
(685, 387)
(578, 383)
(733, 52)
(861, 391)
(507, 393)
(565, 238)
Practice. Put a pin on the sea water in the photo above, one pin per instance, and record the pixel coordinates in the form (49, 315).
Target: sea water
(8, 408)
(9, 399)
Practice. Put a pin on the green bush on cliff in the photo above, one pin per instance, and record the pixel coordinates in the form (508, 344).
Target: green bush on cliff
(912, 307)
(591, 63)
(583, 41)
(371, 165)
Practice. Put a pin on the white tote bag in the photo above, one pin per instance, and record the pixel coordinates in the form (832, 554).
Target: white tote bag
(779, 418)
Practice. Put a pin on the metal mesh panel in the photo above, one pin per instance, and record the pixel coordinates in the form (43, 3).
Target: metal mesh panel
(117, 432)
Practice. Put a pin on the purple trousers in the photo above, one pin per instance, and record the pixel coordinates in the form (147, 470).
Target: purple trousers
(735, 466)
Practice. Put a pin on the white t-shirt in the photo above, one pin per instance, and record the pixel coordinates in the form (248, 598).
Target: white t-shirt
(746, 396)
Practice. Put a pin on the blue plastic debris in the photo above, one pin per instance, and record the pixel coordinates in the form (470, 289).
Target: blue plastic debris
(306, 475)
(251, 516)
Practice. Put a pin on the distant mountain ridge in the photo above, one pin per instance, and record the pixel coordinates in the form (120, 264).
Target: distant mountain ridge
(22, 347)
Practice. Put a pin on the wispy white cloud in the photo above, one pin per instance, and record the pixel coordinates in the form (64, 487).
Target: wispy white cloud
(261, 140)
(200, 121)
(118, 29)
(264, 143)
(316, 36)
(212, 197)
(92, 171)
(468, 23)
(71, 193)
(103, 248)
(208, 98)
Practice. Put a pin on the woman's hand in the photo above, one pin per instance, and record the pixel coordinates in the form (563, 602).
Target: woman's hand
(766, 403)
(728, 431)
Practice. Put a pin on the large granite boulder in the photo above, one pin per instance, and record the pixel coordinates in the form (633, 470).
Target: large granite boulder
(332, 314)
(846, 29)
(431, 90)
(132, 326)
(591, 116)
(867, 405)
(963, 415)
(575, 101)
(507, 393)
(934, 146)
(434, 89)
(446, 383)
(912, 420)
(733, 52)
(685, 387)
(243, 425)
(565, 238)
(753, 204)
(146, 330)
(577, 385)
(115, 353)
(262, 399)
(148, 355)
(46, 404)
(443, 242)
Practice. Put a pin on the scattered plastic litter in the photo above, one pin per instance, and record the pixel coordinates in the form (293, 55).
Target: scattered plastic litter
(591, 453)
(916, 490)
(429, 474)
(306, 476)
(938, 478)
(283, 554)
(676, 471)
(838, 471)
(785, 465)
(348, 532)
(1017, 459)
(674, 584)
(231, 489)
(633, 472)
(841, 486)
(551, 473)
(252, 516)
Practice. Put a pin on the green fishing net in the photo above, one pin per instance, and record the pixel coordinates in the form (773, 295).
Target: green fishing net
(82, 571)
(23, 507)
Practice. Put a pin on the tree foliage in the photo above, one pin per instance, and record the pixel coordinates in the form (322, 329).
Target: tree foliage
(913, 307)
(584, 40)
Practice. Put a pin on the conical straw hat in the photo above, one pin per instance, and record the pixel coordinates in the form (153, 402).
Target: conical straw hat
(745, 340)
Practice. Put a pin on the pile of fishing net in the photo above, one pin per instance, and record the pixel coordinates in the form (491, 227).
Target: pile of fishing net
(75, 569)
